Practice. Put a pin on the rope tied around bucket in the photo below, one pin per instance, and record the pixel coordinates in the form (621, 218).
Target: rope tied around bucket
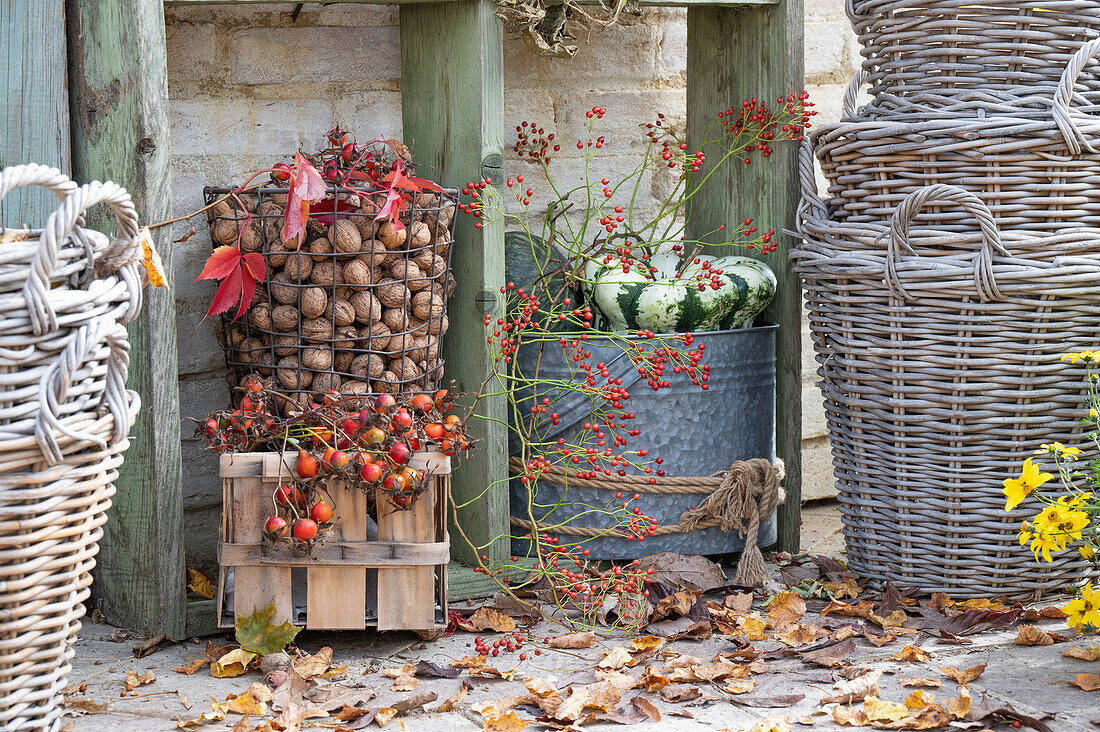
(738, 498)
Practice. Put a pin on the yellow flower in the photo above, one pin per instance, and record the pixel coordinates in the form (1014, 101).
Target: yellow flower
(1025, 533)
(1017, 489)
(1085, 611)
(1093, 414)
(1055, 527)
(1057, 448)
(1087, 552)
(1087, 356)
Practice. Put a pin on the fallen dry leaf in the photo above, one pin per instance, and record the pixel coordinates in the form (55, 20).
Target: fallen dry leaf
(675, 605)
(384, 715)
(200, 582)
(417, 700)
(753, 628)
(573, 640)
(879, 640)
(771, 724)
(134, 679)
(646, 643)
(216, 714)
(740, 602)
(686, 571)
(496, 708)
(1083, 654)
(85, 706)
(309, 667)
(911, 654)
(601, 696)
(855, 690)
(920, 682)
(192, 666)
(959, 707)
(739, 686)
(404, 678)
(646, 707)
(833, 656)
(849, 716)
(963, 677)
(469, 662)
(253, 701)
(785, 609)
(449, 703)
(878, 710)
(616, 658)
(149, 646)
(981, 604)
(487, 618)
(1029, 635)
(770, 702)
(676, 694)
(234, 663)
(653, 681)
(1087, 682)
(707, 672)
(619, 679)
(509, 722)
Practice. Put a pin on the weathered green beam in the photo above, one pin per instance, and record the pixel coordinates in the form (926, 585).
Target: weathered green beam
(34, 100)
(735, 55)
(644, 3)
(452, 102)
(119, 112)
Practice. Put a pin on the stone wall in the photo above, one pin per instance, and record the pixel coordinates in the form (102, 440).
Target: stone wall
(246, 85)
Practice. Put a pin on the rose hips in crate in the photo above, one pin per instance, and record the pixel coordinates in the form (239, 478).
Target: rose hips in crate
(304, 529)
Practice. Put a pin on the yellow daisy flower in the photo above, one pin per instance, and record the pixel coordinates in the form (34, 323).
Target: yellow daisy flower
(1087, 552)
(1057, 448)
(1086, 356)
(1085, 611)
(1017, 489)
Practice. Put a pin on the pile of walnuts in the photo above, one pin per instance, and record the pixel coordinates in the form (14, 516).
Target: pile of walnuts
(359, 308)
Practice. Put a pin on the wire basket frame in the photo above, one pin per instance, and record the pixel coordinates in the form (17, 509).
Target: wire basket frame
(939, 356)
(925, 52)
(359, 308)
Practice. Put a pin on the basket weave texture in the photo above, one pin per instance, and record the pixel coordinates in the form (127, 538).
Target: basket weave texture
(1037, 169)
(66, 294)
(925, 52)
(938, 353)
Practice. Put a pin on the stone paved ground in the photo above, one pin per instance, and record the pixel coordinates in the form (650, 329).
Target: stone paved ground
(1031, 680)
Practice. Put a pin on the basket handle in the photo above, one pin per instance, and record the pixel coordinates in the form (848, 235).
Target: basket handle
(810, 204)
(33, 174)
(53, 389)
(1076, 140)
(908, 209)
(851, 93)
(125, 250)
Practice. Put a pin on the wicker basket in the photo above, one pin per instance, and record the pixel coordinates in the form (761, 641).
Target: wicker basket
(1037, 170)
(925, 52)
(939, 358)
(65, 295)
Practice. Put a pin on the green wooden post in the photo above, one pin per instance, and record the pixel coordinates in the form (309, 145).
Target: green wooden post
(736, 54)
(34, 100)
(119, 105)
(452, 101)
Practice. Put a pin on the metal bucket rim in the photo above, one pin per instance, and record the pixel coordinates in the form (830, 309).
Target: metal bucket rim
(694, 334)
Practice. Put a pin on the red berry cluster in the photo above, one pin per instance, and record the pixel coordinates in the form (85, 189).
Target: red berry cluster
(534, 142)
(474, 207)
(508, 644)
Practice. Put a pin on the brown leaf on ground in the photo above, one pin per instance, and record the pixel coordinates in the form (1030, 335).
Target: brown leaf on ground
(573, 640)
(349, 714)
(879, 640)
(849, 716)
(771, 724)
(878, 710)
(981, 603)
(148, 646)
(800, 634)
(234, 663)
(939, 601)
(959, 707)
(404, 678)
(309, 667)
(1087, 682)
(855, 690)
(469, 662)
(495, 708)
(677, 604)
(963, 677)
(740, 602)
(704, 673)
(919, 681)
(486, 618)
(753, 628)
(216, 714)
(601, 696)
(653, 681)
(1083, 654)
(833, 656)
(646, 707)
(321, 693)
(84, 705)
(785, 609)
(200, 582)
(616, 658)
(449, 703)
(739, 686)
(770, 702)
(384, 715)
(911, 654)
(861, 609)
(1029, 635)
(253, 701)
(509, 722)
(215, 651)
(291, 718)
(619, 679)
(417, 700)
(975, 620)
(683, 571)
(192, 666)
(646, 643)
(894, 620)
(677, 694)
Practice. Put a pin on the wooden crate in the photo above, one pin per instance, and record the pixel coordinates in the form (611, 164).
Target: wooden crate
(348, 582)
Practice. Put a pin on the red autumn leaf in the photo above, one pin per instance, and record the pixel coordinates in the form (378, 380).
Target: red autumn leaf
(306, 187)
(394, 183)
(239, 274)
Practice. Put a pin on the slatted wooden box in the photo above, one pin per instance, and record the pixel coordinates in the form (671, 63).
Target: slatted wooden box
(349, 581)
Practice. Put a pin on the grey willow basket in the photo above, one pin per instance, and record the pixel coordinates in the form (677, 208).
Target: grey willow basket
(1038, 170)
(939, 356)
(927, 51)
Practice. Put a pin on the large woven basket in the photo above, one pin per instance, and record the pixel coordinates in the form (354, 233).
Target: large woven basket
(925, 52)
(939, 363)
(1037, 170)
(65, 295)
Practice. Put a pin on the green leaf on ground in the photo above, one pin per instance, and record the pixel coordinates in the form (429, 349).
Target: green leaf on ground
(257, 634)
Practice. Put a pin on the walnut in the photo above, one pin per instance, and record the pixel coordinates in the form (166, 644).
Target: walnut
(281, 289)
(386, 383)
(298, 267)
(428, 306)
(345, 336)
(355, 388)
(326, 274)
(341, 362)
(375, 337)
(423, 259)
(425, 200)
(397, 319)
(419, 235)
(291, 375)
(314, 302)
(259, 317)
(344, 312)
(409, 273)
(423, 348)
(405, 368)
(392, 294)
(391, 236)
(344, 237)
(251, 239)
(285, 318)
(368, 365)
(286, 345)
(317, 329)
(324, 383)
(317, 359)
(357, 274)
(320, 249)
(367, 307)
(276, 249)
(224, 231)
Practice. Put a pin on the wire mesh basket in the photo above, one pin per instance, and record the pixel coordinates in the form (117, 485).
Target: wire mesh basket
(358, 308)
(939, 356)
(927, 52)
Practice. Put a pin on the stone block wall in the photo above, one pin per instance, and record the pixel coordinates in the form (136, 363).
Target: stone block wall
(247, 85)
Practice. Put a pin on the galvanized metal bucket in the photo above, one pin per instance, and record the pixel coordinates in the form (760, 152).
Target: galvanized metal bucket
(696, 433)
